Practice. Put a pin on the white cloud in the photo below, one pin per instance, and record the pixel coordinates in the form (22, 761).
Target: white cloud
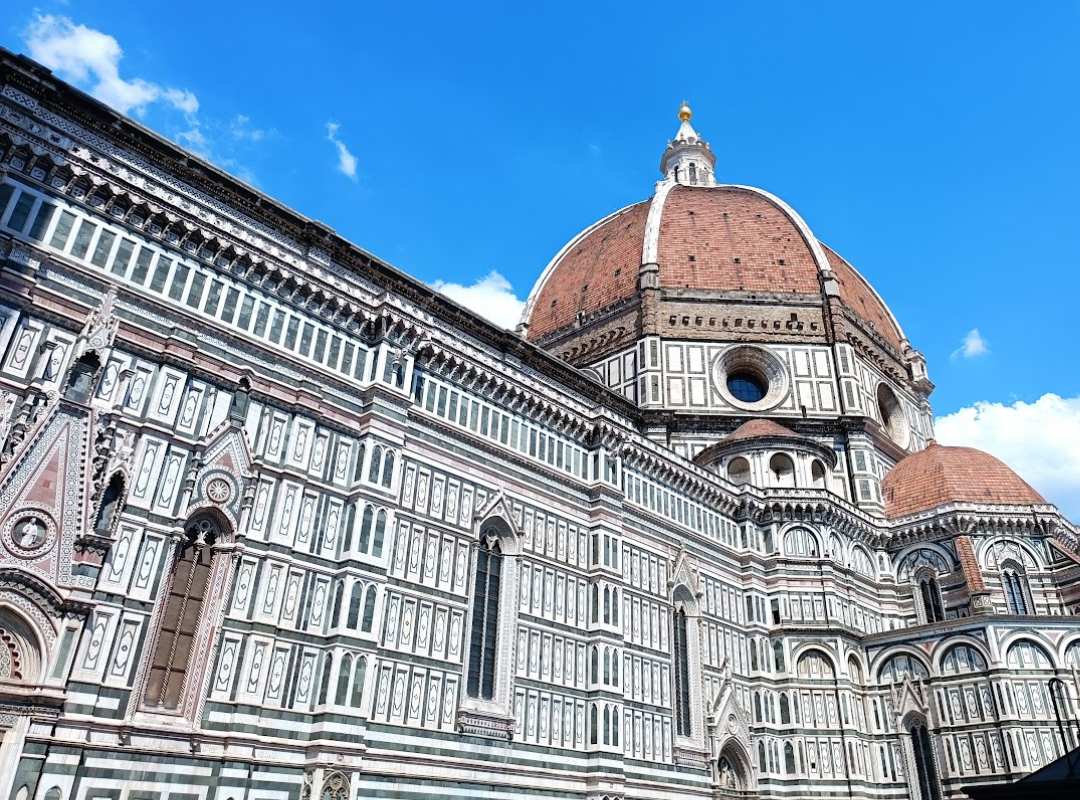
(1040, 440)
(346, 160)
(241, 130)
(491, 296)
(974, 345)
(91, 58)
(195, 141)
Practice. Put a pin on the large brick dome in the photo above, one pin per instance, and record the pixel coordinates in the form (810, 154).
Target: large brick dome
(940, 475)
(700, 236)
(729, 239)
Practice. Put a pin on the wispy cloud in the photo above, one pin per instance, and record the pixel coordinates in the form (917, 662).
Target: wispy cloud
(973, 346)
(491, 296)
(241, 129)
(346, 160)
(1040, 440)
(91, 58)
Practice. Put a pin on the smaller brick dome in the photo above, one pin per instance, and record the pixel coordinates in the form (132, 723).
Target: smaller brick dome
(760, 429)
(758, 434)
(940, 475)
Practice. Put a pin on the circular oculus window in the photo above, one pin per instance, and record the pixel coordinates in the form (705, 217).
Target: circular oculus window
(750, 378)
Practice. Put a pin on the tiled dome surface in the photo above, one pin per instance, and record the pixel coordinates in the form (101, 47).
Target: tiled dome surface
(715, 238)
(940, 475)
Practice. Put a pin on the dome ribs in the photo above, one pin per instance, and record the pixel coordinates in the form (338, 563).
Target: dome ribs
(722, 241)
(599, 271)
(738, 239)
(860, 298)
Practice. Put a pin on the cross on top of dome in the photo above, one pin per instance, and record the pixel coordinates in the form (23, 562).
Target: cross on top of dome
(688, 159)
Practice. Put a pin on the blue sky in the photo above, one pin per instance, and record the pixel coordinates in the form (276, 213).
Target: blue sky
(933, 145)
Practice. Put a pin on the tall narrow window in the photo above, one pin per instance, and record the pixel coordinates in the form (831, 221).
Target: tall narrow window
(380, 532)
(354, 605)
(485, 619)
(358, 682)
(110, 504)
(388, 469)
(923, 750)
(344, 668)
(1015, 584)
(365, 529)
(369, 610)
(930, 596)
(324, 684)
(181, 615)
(335, 614)
(682, 675)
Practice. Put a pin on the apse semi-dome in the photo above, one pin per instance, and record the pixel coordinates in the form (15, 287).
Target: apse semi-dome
(940, 475)
(696, 235)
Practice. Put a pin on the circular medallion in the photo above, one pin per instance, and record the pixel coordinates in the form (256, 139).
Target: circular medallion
(29, 532)
(218, 490)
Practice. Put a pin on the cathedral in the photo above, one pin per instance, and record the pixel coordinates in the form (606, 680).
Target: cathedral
(281, 522)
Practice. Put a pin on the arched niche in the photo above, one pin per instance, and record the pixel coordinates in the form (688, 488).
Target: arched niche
(22, 657)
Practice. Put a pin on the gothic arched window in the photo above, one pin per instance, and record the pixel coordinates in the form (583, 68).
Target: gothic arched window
(365, 528)
(485, 618)
(1014, 582)
(350, 520)
(357, 693)
(324, 682)
(369, 610)
(335, 614)
(930, 597)
(355, 598)
(923, 750)
(778, 655)
(380, 533)
(344, 668)
(376, 462)
(789, 759)
(180, 615)
(388, 469)
(682, 674)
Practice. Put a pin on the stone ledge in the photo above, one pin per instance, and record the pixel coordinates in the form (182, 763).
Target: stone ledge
(482, 723)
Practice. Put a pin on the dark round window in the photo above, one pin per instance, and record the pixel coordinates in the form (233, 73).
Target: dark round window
(746, 386)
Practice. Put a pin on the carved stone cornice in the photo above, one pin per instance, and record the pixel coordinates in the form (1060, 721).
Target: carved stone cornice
(471, 722)
(214, 218)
